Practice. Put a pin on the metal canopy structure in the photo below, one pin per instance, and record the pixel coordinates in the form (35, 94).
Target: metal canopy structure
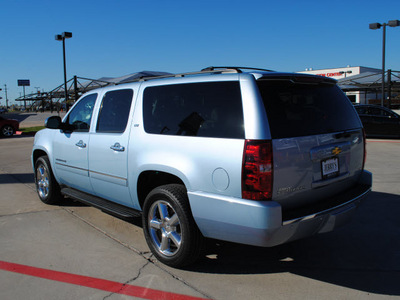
(367, 82)
(371, 83)
(77, 86)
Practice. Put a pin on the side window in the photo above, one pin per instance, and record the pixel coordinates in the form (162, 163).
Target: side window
(81, 115)
(114, 111)
(387, 114)
(209, 109)
(375, 111)
(361, 110)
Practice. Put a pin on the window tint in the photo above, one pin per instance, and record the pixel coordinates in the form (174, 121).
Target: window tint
(361, 110)
(375, 111)
(81, 115)
(114, 111)
(386, 113)
(211, 109)
(295, 109)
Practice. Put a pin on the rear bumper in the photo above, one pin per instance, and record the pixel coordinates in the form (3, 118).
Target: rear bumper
(264, 224)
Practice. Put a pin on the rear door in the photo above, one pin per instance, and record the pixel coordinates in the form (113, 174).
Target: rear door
(317, 139)
(109, 147)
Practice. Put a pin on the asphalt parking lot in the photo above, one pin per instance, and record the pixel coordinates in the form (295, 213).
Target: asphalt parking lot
(78, 252)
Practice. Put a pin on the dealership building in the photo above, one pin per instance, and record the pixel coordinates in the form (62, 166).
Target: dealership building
(343, 74)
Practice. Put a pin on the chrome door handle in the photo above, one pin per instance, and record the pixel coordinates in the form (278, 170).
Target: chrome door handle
(117, 147)
(80, 144)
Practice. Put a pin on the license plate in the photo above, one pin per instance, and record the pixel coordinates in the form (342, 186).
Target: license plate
(330, 167)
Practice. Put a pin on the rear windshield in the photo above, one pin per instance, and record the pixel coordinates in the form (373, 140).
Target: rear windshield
(296, 109)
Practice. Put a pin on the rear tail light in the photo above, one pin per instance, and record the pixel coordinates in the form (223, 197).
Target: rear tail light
(257, 170)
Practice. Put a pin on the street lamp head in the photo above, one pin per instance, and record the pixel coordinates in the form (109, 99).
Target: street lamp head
(63, 36)
(394, 23)
(67, 35)
(375, 26)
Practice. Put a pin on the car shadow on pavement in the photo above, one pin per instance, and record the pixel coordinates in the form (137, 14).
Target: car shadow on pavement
(20, 117)
(16, 136)
(362, 255)
(16, 178)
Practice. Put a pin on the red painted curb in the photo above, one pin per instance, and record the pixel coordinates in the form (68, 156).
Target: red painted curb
(95, 283)
(30, 133)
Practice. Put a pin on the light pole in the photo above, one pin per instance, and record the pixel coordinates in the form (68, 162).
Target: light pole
(62, 37)
(345, 73)
(5, 89)
(392, 23)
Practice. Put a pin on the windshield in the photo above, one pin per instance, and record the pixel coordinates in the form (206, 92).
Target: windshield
(298, 109)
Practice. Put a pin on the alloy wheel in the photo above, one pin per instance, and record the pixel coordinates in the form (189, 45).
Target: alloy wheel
(42, 181)
(164, 228)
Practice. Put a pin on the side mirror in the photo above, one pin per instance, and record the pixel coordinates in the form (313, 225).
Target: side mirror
(53, 122)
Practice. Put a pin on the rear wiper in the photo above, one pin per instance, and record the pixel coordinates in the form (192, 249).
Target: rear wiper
(346, 134)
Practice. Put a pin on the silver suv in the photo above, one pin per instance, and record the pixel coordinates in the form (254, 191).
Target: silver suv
(257, 157)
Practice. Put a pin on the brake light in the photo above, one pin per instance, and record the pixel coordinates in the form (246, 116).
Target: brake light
(257, 170)
(365, 148)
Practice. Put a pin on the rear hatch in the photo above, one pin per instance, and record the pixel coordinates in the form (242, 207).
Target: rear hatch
(317, 142)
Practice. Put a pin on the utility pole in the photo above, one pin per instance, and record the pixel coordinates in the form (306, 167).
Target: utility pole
(5, 90)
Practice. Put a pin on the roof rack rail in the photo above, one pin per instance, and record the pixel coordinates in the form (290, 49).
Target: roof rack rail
(203, 71)
(238, 69)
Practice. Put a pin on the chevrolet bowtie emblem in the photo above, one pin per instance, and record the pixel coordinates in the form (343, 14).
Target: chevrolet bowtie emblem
(336, 151)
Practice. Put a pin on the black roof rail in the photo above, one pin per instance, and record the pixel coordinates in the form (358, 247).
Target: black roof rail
(237, 69)
(203, 71)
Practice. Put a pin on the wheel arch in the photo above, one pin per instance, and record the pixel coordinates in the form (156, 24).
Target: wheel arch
(149, 180)
(35, 155)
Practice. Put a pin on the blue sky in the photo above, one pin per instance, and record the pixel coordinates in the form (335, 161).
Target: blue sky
(115, 37)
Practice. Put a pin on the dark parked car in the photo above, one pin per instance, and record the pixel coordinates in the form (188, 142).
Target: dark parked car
(8, 127)
(379, 121)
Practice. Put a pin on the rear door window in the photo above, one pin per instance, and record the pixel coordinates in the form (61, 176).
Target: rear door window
(114, 111)
(208, 109)
(301, 109)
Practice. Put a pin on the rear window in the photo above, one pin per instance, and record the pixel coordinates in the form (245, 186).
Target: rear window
(297, 109)
(209, 109)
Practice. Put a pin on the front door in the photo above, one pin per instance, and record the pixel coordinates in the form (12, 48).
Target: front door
(71, 146)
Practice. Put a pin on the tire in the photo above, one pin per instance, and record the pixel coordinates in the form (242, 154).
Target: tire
(7, 131)
(169, 228)
(46, 185)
